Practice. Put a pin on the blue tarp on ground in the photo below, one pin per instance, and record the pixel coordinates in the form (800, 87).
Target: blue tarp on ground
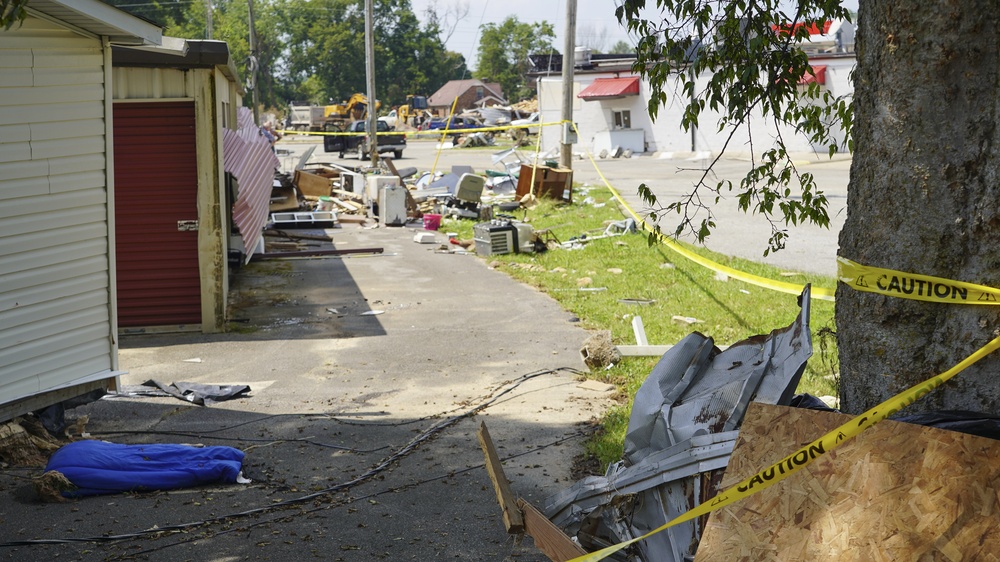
(98, 467)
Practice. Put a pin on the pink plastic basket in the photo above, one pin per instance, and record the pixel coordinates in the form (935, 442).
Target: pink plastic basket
(432, 221)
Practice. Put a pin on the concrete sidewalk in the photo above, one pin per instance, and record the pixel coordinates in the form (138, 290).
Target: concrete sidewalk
(338, 396)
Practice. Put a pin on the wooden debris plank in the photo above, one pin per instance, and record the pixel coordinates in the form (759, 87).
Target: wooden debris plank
(355, 219)
(347, 205)
(312, 184)
(350, 195)
(895, 492)
(274, 232)
(511, 514)
(391, 166)
(549, 538)
(283, 199)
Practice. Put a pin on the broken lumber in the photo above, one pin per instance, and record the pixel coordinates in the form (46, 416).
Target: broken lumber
(349, 206)
(511, 514)
(357, 219)
(350, 195)
(522, 516)
(273, 232)
(314, 253)
(549, 539)
(312, 184)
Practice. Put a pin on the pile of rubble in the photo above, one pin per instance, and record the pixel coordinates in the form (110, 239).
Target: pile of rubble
(324, 194)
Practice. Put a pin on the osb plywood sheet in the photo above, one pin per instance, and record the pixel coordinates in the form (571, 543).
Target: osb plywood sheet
(895, 492)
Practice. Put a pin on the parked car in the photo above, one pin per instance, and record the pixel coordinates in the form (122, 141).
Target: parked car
(457, 123)
(390, 119)
(426, 125)
(534, 118)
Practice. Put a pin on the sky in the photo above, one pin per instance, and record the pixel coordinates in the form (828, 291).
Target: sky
(594, 18)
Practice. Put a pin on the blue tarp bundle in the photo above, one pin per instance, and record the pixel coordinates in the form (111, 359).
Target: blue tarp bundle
(98, 467)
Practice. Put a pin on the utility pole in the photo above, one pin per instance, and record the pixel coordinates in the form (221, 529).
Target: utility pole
(253, 67)
(370, 75)
(208, 21)
(569, 52)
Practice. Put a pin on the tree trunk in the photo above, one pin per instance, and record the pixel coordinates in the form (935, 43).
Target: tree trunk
(924, 197)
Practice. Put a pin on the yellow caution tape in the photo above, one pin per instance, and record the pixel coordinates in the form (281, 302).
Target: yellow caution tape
(805, 455)
(913, 286)
(446, 132)
(818, 293)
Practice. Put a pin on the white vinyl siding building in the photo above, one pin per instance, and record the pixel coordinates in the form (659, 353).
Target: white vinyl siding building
(601, 121)
(57, 332)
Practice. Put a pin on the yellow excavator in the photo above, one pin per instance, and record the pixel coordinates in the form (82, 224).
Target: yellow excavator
(337, 116)
(415, 108)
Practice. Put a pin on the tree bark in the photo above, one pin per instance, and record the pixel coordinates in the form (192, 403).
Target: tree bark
(924, 197)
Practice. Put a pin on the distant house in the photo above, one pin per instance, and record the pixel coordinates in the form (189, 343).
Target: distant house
(58, 331)
(470, 94)
(832, 36)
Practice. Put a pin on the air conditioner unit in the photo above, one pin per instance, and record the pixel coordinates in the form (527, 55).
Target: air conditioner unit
(503, 237)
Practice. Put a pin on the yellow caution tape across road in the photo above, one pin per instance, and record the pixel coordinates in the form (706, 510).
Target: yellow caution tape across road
(913, 286)
(818, 293)
(427, 132)
(805, 455)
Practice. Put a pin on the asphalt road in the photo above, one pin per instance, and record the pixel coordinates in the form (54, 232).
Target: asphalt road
(369, 378)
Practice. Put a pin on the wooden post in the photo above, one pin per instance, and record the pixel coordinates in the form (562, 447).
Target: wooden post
(512, 518)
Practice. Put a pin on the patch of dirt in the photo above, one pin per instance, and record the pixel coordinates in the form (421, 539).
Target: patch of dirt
(586, 464)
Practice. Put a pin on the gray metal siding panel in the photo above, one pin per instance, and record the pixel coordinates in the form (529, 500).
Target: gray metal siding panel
(42, 275)
(55, 325)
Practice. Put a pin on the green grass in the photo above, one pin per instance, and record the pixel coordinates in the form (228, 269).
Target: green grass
(726, 310)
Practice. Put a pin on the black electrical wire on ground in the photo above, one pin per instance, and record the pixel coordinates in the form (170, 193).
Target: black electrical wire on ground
(202, 435)
(396, 489)
(422, 437)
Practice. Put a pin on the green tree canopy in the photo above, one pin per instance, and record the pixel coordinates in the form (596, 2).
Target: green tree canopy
(749, 54)
(313, 50)
(621, 48)
(503, 54)
(11, 12)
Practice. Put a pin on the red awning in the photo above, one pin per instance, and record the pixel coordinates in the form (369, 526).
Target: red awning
(818, 76)
(610, 88)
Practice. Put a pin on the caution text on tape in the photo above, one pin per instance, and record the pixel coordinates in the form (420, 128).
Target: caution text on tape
(913, 286)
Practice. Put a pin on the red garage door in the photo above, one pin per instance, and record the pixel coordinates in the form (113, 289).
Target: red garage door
(156, 189)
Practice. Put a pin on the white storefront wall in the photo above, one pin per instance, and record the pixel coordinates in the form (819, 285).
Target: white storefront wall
(599, 130)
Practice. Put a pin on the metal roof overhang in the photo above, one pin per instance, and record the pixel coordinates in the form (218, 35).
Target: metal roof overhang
(180, 53)
(818, 76)
(610, 88)
(98, 18)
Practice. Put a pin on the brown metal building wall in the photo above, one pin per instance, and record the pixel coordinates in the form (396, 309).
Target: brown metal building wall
(156, 185)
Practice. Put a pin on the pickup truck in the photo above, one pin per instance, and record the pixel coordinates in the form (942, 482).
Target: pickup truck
(358, 144)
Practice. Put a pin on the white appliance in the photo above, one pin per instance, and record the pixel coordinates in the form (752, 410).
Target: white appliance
(375, 185)
(392, 205)
(353, 182)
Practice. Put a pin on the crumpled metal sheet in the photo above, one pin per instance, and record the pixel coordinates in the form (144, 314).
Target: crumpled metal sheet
(684, 423)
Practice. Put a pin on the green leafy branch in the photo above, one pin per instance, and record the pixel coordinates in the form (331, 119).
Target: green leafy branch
(11, 12)
(747, 50)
